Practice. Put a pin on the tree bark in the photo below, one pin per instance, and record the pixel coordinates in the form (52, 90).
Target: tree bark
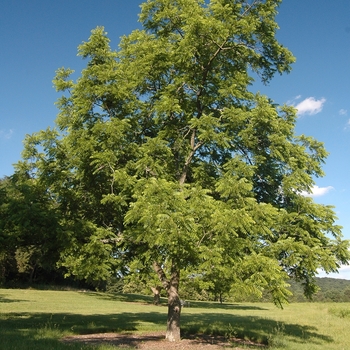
(174, 312)
(174, 304)
(156, 294)
(31, 276)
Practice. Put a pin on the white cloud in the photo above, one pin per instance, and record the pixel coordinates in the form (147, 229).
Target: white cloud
(343, 112)
(6, 134)
(317, 191)
(343, 273)
(310, 106)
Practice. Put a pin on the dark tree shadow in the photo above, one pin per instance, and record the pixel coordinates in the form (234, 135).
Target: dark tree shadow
(223, 306)
(137, 298)
(3, 299)
(132, 298)
(252, 327)
(193, 326)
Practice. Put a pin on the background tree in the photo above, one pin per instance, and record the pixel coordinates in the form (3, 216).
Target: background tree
(29, 230)
(163, 156)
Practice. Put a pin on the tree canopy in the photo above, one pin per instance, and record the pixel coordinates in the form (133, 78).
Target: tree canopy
(163, 158)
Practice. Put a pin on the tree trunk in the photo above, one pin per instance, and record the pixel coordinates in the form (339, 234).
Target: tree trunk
(174, 304)
(156, 294)
(31, 276)
(174, 312)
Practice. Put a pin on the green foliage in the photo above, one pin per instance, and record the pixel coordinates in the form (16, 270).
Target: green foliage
(30, 234)
(162, 156)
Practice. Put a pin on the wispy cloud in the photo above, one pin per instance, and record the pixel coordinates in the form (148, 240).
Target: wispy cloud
(310, 106)
(292, 101)
(6, 134)
(317, 191)
(343, 112)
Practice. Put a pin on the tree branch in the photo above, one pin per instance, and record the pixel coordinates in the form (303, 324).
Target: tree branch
(161, 274)
(186, 166)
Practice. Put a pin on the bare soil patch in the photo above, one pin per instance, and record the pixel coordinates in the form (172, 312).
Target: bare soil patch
(156, 341)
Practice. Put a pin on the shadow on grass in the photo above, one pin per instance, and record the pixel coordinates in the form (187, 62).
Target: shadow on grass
(6, 300)
(256, 329)
(131, 298)
(41, 327)
(223, 306)
(137, 298)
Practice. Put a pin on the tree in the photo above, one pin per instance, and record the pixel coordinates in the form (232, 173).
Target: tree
(162, 155)
(29, 229)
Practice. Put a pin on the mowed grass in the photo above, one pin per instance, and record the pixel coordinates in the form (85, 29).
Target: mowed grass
(32, 319)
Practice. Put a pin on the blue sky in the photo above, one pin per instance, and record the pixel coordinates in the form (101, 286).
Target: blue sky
(39, 36)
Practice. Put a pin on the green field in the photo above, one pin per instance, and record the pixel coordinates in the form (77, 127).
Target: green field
(32, 319)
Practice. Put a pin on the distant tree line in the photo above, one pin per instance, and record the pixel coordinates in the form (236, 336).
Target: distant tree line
(329, 290)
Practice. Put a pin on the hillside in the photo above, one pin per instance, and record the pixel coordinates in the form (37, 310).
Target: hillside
(331, 289)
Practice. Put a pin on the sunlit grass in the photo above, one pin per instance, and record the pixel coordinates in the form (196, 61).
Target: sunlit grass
(31, 319)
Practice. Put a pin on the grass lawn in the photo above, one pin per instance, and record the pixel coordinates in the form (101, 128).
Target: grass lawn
(32, 319)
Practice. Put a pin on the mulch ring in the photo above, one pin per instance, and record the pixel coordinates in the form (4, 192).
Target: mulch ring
(156, 341)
